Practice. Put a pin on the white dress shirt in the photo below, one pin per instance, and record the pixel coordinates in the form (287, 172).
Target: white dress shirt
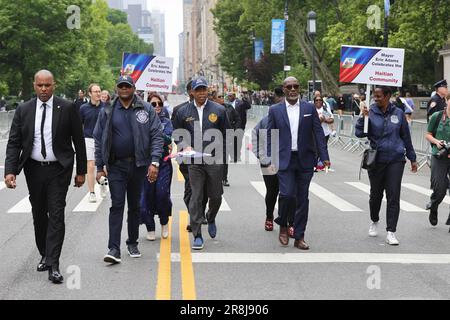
(36, 151)
(293, 112)
(200, 112)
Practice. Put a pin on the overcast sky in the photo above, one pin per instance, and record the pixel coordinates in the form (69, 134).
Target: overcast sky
(173, 10)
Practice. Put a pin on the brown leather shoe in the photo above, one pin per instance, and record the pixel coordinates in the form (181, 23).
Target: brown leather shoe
(284, 237)
(301, 244)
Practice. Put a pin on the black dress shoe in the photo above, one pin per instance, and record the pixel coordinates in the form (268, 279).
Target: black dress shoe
(54, 275)
(433, 217)
(41, 267)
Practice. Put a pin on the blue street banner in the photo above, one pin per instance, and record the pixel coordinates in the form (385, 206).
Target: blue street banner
(150, 73)
(278, 28)
(259, 49)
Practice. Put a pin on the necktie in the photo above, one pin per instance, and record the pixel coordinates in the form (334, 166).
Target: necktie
(43, 151)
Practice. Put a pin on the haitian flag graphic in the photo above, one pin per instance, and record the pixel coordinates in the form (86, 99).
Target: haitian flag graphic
(134, 64)
(150, 73)
(353, 61)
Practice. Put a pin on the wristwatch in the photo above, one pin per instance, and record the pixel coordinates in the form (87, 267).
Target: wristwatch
(156, 164)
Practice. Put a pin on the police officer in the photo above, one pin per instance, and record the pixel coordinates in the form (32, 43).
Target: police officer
(196, 118)
(437, 102)
(129, 143)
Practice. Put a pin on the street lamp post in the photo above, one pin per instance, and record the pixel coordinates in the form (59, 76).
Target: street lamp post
(286, 18)
(311, 33)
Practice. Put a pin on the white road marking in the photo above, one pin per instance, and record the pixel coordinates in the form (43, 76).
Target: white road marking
(423, 190)
(261, 188)
(86, 206)
(332, 198)
(2, 186)
(224, 206)
(23, 206)
(304, 257)
(405, 206)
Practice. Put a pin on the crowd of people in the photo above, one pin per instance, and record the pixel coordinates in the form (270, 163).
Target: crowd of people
(126, 141)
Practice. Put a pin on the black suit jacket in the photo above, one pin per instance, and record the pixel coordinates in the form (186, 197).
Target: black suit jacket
(214, 117)
(66, 128)
(241, 107)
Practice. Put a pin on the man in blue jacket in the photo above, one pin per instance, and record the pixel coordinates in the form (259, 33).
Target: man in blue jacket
(301, 138)
(128, 144)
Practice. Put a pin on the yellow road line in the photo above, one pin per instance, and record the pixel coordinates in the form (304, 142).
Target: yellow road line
(179, 174)
(164, 269)
(187, 269)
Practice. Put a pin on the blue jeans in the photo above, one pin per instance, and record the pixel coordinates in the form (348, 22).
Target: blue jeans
(124, 179)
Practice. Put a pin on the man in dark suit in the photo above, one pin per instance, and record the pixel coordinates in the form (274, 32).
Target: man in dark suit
(241, 107)
(40, 142)
(205, 174)
(300, 139)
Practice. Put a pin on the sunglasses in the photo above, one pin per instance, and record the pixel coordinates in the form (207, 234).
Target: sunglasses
(220, 97)
(124, 85)
(157, 104)
(320, 100)
(292, 86)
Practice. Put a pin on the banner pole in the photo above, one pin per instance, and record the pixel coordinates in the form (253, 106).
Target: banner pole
(366, 118)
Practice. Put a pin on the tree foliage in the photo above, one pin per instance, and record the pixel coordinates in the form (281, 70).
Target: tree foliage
(35, 35)
(421, 27)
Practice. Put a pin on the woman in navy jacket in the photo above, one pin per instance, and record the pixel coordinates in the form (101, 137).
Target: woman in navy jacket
(390, 135)
(155, 197)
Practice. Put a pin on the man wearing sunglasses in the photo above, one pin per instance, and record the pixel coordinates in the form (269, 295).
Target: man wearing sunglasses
(300, 139)
(129, 144)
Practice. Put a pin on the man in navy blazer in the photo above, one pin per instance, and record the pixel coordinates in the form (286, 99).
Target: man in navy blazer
(301, 139)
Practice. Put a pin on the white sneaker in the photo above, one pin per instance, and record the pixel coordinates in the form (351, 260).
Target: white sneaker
(391, 239)
(165, 231)
(373, 229)
(92, 197)
(103, 191)
(151, 236)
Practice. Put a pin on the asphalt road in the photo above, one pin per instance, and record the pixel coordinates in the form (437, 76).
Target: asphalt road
(244, 261)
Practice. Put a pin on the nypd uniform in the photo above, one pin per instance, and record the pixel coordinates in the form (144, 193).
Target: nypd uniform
(213, 116)
(436, 103)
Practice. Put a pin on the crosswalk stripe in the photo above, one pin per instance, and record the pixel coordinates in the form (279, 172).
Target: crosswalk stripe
(261, 188)
(23, 206)
(332, 198)
(334, 257)
(405, 206)
(86, 206)
(2, 186)
(423, 190)
(224, 206)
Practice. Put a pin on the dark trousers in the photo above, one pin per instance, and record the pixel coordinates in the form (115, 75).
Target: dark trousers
(294, 196)
(155, 197)
(386, 177)
(205, 180)
(125, 179)
(48, 187)
(440, 172)
(237, 148)
(272, 190)
(188, 190)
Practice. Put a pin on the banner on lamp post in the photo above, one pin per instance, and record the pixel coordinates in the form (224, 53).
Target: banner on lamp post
(277, 43)
(259, 49)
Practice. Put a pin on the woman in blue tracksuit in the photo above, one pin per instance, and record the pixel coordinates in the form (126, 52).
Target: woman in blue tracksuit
(155, 197)
(389, 134)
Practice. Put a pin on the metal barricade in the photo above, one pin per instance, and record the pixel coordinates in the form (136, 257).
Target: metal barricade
(421, 145)
(6, 118)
